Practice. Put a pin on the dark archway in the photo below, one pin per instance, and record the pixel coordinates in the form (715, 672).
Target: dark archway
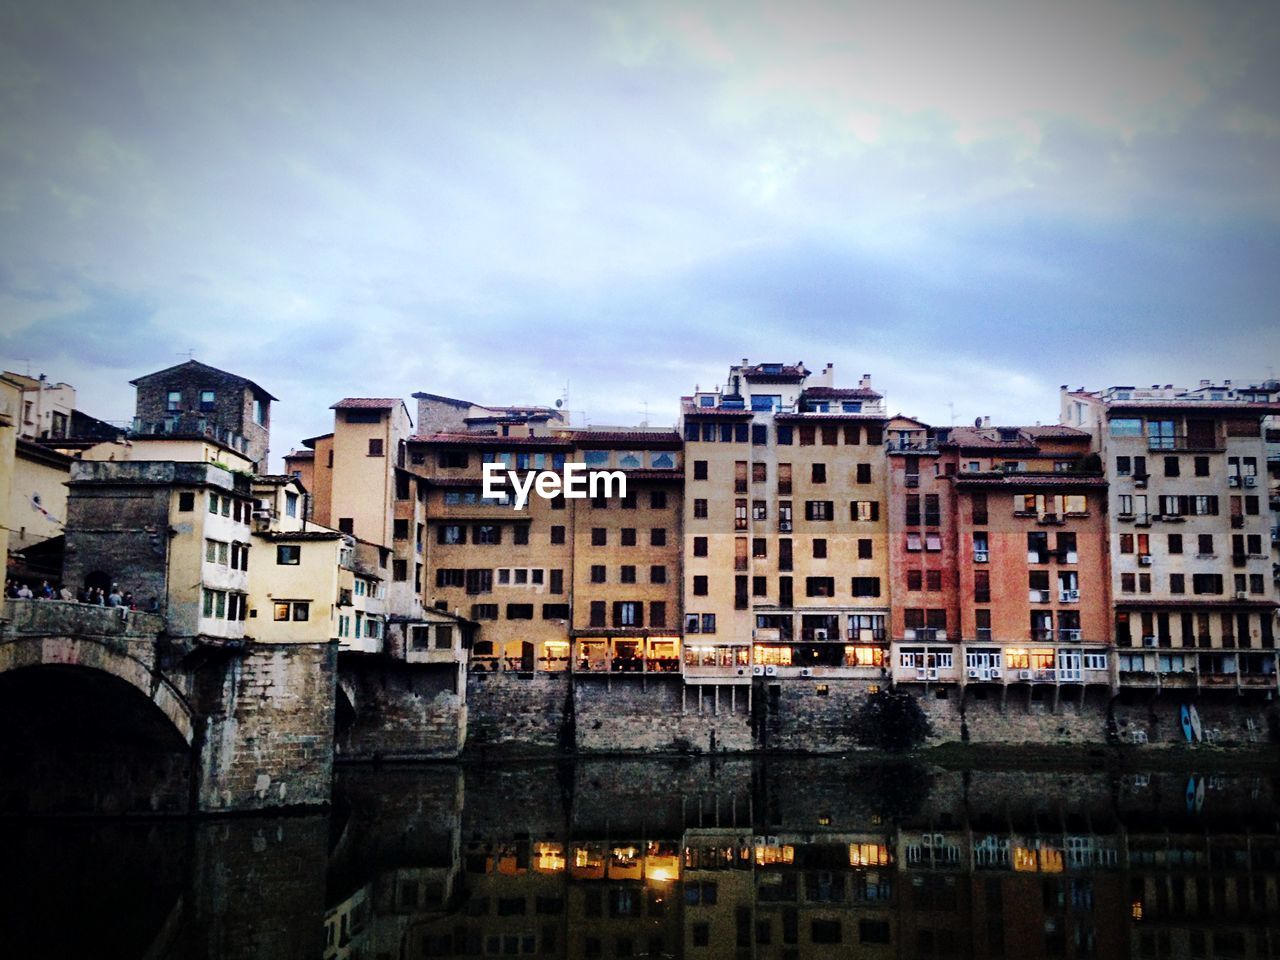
(98, 579)
(79, 740)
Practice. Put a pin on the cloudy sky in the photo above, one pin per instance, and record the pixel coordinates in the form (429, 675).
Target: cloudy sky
(973, 202)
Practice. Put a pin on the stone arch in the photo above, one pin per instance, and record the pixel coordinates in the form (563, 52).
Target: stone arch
(92, 654)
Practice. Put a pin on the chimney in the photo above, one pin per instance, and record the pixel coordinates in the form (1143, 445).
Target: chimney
(746, 362)
(1204, 383)
(986, 422)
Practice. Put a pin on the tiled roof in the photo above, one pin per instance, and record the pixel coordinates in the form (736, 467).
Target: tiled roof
(366, 403)
(987, 437)
(633, 438)
(841, 393)
(1056, 431)
(491, 440)
(300, 455)
(691, 409)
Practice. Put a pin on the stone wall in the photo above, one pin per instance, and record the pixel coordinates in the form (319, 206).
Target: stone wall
(270, 745)
(398, 710)
(804, 714)
(518, 712)
(657, 714)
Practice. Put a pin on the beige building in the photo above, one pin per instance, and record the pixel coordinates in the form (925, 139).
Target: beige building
(785, 528)
(46, 409)
(10, 417)
(1189, 533)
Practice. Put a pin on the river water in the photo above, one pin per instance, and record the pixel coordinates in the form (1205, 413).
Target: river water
(780, 858)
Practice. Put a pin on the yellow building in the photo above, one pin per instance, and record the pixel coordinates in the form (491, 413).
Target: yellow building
(785, 527)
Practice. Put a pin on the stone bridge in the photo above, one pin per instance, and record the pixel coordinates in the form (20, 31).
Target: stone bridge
(101, 711)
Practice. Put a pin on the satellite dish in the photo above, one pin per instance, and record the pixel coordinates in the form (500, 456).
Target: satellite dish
(977, 421)
(559, 403)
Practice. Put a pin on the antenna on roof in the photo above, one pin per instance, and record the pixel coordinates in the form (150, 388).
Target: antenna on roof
(190, 354)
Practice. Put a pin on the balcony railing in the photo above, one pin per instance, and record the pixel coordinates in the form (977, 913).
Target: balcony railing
(186, 424)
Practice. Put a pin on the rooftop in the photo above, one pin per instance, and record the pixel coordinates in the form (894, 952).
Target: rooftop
(195, 366)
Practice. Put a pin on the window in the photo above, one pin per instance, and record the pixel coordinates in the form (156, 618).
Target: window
(864, 510)
(818, 473)
(598, 573)
(866, 586)
(208, 401)
(1172, 467)
(599, 536)
(862, 473)
(556, 584)
(759, 472)
(657, 573)
(450, 577)
(1205, 544)
(627, 573)
(628, 613)
(628, 537)
(981, 586)
(759, 510)
(295, 610)
(1201, 466)
(519, 611)
(487, 533)
(864, 549)
(699, 469)
(1175, 543)
(980, 509)
(759, 432)
(699, 509)
(451, 533)
(817, 509)
(699, 546)
(820, 586)
(785, 434)
(484, 611)
(657, 500)
(173, 404)
(288, 554)
(1126, 427)
(1177, 583)
(784, 479)
(759, 548)
(186, 501)
(700, 586)
(400, 570)
(658, 613)
(819, 549)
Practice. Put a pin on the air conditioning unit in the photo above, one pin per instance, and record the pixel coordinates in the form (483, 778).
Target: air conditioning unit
(973, 673)
(1242, 595)
(820, 633)
(940, 635)
(806, 672)
(784, 526)
(1073, 595)
(1024, 674)
(908, 634)
(920, 673)
(1250, 481)
(932, 673)
(979, 556)
(1148, 641)
(1233, 481)
(770, 671)
(1145, 559)
(742, 671)
(995, 673)
(757, 671)
(1140, 481)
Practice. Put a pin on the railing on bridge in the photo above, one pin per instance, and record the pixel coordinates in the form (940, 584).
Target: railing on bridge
(63, 618)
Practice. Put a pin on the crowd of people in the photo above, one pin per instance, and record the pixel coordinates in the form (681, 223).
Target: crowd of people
(21, 590)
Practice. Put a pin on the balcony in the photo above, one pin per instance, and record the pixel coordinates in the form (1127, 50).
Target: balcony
(1180, 441)
(1038, 596)
(866, 635)
(1069, 635)
(1042, 635)
(185, 425)
(912, 480)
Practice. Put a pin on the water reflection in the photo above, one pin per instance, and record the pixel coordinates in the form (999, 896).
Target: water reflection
(731, 859)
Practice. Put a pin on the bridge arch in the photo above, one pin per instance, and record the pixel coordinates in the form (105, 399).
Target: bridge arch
(107, 656)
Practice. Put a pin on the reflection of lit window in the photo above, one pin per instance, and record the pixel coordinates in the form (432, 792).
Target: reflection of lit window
(549, 857)
(767, 855)
(596, 458)
(868, 855)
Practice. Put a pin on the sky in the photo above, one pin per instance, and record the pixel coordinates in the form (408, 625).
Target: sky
(518, 202)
